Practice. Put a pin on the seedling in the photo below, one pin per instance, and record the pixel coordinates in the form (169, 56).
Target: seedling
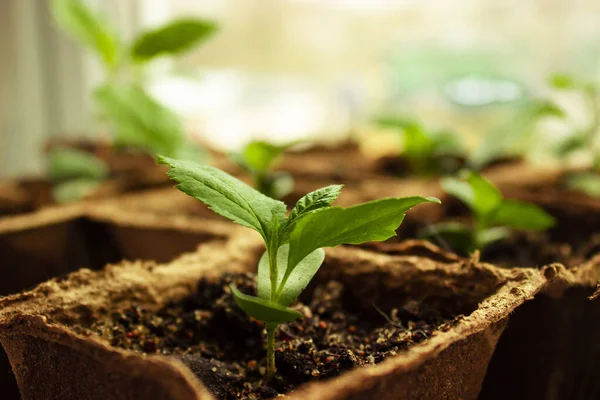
(74, 173)
(258, 159)
(493, 216)
(294, 244)
(137, 119)
(425, 149)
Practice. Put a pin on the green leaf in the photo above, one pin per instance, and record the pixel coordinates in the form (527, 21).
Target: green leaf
(173, 38)
(263, 310)
(491, 235)
(328, 227)
(68, 163)
(521, 215)
(475, 191)
(417, 143)
(297, 280)
(226, 195)
(446, 143)
(74, 189)
(397, 122)
(260, 156)
(314, 200)
(88, 28)
(487, 196)
(459, 189)
(139, 120)
(586, 182)
(562, 81)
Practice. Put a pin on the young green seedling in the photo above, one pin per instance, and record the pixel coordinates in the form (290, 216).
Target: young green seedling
(294, 243)
(493, 216)
(258, 158)
(424, 148)
(74, 173)
(136, 119)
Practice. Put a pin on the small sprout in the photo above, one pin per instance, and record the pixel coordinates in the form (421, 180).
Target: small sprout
(493, 216)
(74, 173)
(294, 244)
(259, 158)
(424, 149)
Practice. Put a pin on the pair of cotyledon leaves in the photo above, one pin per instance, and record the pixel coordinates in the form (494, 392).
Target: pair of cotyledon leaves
(298, 238)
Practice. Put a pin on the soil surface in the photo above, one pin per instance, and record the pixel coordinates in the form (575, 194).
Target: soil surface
(225, 349)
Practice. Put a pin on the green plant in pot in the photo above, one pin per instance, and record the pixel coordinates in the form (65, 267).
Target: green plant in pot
(583, 140)
(259, 158)
(135, 120)
(294, 243)
(494, 217)
(428, 152)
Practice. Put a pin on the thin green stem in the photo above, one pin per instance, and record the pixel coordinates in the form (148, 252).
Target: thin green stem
(273, 271)
(271, 328)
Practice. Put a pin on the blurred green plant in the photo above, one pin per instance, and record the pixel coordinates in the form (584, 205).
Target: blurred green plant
(137, 120)
(493, 216)
(425, 150)
(259, 158)
(75, 173)
(516, 137)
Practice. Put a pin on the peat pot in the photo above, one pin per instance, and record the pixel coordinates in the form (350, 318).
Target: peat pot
(406, 326)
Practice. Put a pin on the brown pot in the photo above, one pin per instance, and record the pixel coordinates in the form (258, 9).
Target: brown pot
(550, 348)
(52, 360)
(57, 240)
(154, 235)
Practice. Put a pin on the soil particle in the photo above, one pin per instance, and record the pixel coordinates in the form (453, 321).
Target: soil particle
(225, 348)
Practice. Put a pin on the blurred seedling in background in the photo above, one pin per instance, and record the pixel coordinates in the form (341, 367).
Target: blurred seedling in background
(74, 173)
(584, 140)
(493, 217)
(294, 243)
(136, 120)
(259, 159)
(428, 152)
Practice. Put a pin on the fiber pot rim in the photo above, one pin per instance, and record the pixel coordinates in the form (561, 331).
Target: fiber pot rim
(43, 217)
(26, 314)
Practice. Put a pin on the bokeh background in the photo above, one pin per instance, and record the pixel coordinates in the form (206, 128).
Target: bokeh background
(320, 70)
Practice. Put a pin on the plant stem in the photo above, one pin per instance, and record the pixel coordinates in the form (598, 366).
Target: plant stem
(273, 271)
(271, 328)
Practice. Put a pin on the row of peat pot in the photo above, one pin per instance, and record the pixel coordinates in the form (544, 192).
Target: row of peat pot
(527, 333)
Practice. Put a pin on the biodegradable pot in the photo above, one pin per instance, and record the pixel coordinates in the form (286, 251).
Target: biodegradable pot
(149, 235)
(60, 239)
(51, 360)
(550, 348)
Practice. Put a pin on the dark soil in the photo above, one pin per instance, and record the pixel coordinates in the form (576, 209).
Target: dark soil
(224, 348)
(399, 166)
